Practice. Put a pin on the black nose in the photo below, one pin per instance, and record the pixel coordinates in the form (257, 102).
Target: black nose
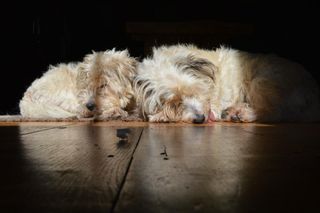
(199, 119)
(91, 106)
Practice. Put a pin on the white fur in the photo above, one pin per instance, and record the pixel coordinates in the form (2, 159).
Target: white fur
(103, 78)
(54, 95)
(245, 87)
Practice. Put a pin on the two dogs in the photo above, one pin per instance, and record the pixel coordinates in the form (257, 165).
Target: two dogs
(178, 83)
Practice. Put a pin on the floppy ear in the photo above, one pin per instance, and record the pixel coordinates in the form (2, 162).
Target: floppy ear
(198, 67)
(143, 88)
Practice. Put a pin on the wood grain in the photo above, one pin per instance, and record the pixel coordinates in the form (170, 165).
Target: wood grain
(68, 169)
(220, 167)
(225, 168)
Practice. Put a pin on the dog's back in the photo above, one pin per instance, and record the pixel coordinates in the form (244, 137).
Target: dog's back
(52, 95)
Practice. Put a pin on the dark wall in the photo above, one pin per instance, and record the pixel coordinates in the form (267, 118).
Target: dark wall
(36, 35)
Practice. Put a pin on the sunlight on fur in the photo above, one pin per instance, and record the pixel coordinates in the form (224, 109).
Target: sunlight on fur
(100, 87)
(180, 83)
(185, 83)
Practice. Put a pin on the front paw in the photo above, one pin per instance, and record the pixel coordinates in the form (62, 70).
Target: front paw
(158, 118)
(114, 114)
(230, 114)
(132, 118)
(241, 113)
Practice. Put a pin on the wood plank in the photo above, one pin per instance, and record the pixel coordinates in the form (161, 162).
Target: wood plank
(225, 168)
(31, 127)
(25, 130)
(74, 169)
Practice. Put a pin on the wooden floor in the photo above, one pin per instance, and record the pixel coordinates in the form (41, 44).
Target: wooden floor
(221, 167)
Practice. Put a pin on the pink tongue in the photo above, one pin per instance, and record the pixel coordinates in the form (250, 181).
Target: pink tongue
(211, 117)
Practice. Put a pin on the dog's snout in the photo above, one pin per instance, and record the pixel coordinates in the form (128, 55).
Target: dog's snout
(91, 106)
(199, 118)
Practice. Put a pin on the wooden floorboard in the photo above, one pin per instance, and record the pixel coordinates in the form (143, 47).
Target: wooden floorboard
(225, 168)
(220, 167)
(63, 168)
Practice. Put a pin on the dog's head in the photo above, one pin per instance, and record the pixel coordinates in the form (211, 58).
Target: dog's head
(175, 89)
(105, 80)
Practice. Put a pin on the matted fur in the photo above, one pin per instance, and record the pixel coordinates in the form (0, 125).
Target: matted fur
(182, 82)
(103, 79)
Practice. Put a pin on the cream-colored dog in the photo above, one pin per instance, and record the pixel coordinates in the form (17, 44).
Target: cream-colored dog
(184, 83)
(100, 86)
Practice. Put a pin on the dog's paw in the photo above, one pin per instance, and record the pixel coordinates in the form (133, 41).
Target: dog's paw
(133, 117)
(158, 118)
(239, 113)
(114, 114)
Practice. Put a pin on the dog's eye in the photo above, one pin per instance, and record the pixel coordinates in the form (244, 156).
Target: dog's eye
(103, 86)
(175, 105)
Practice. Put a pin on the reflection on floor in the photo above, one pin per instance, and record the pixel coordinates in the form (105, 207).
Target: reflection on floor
(141, 167)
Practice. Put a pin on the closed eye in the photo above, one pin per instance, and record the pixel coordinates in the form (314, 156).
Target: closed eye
(103, 86)
(175, 105)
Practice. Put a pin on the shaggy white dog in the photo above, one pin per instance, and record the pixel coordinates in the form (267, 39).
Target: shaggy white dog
(100, 86)
(184, 83)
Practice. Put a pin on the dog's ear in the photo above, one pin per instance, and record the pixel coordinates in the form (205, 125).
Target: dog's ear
(144, 92)
(143, 87)
(196, 66)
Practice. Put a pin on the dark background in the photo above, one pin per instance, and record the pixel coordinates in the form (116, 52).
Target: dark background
(35, 35)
